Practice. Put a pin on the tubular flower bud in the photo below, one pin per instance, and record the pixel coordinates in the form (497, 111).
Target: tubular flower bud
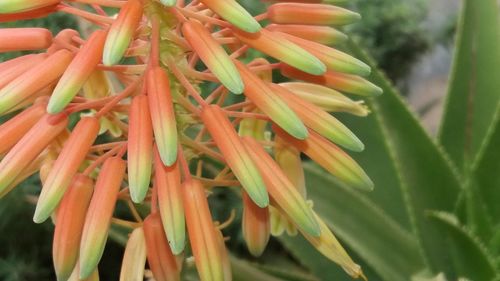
(330, 157)
(236, 156)
(320, 121)
(202, 235)
(320, 34)
(13, 68)
(140, 148)
(326, 98)
(98, 218)
(122, 31)
(339, 81)
(78, 72)
(32, 168)
(288, 158)
(256, 226)
(281, 189)
(34, 80)
(329, 246)
(14, 129)
(24, 39)
(162, 114)
(69, 225)
(333, 59)
(168, 184)
(231, 11)
(278, 47)
(226, 262)
(162, 262)
(66, 166)
(29, 147)
(18, 6)
(271, 104)
(213, 55)
(74, 275)
(63, 38)
(134, 257)
(312, 14)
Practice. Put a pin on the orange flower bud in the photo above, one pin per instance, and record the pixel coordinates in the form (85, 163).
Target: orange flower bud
(235, 153)
(18, 6)
(15, 128)
(281, 189)
(29, 147)
(256, 226)
(202, 235)
(69, 225)
(98, 219)
(134, 258)
(66, 166)
(13, 68)
(77, 72)
(24, 39)
(231, 11)
(34, 80)
(213, 55)
(339, 81)
(330, 157)
(162, 262)
(278, 47)
(320, 34)
(168, 184)
(312, 14)
(140, 148)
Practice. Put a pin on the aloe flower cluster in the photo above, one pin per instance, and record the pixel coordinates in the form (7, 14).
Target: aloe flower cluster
(167, 101)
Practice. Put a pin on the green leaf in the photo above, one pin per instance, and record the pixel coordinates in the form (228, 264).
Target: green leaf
(474, 90)
(470, 258)
(362, 226)
(428, 178)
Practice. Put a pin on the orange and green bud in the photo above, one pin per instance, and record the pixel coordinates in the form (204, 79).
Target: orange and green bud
(278, 47)
(29, 147)
(320, 121)
(202, 235)
(66, 166)
(255, 225)
(15, 128)
(213, 55)
(24, 39)
(288, 158)
(13, 68)
(98, 219)
(347, 83)
(271, 103)
(140, 148)
(331, 158)
(134, 258)
(77, 72)
(69, 225)
(281, 189)
(168, 184)
(226, 261)
(34, 80)
(326, 98)
(235, 154)
(234, 13)
(162, 114)
(321, 34)
(74, 275)
(32, 168)
(328, 245)
(18, 6)
(310, 14)
(334, 60)
(161, 261)
(121, 33)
